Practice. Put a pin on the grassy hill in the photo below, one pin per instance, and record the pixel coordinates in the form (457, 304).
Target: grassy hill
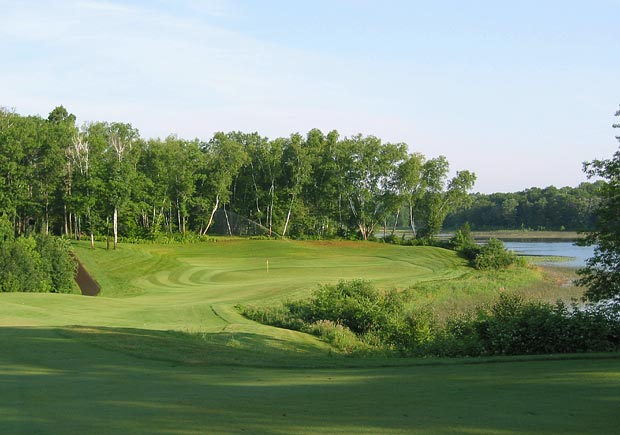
(163, 351)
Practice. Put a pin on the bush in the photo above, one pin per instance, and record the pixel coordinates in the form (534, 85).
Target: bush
(36, 264)
(356, 304)
(463, 242)
(514, 326)
(57, 262)
(339, 336)
(355, 317)
(494, 255)
(20, 267)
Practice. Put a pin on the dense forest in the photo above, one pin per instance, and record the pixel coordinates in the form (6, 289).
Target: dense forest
(102, 179)
(566, 208)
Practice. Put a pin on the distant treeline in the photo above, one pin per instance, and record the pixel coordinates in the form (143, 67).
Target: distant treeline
(102, 179)
(566, 208)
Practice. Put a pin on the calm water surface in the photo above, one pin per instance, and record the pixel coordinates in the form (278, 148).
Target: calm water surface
(578, 254)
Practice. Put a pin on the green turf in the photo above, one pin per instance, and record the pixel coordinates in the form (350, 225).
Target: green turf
(52, 383)
(163, 351)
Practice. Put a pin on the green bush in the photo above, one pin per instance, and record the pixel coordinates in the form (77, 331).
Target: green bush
(494, 255)
(57, 263)
(356, 304)
(355, 317)
(463, 242)
(514, 326)
(36, 264)
(339, 336)
(20, 267)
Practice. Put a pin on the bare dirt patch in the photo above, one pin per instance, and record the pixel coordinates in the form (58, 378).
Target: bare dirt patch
(88, 286)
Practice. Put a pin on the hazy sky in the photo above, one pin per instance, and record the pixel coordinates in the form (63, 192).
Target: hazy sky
(519, 92)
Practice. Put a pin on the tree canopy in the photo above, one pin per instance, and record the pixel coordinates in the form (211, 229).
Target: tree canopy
(103, 178)
(602, 272)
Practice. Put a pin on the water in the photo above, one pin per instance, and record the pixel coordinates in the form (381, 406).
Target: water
(578, 254)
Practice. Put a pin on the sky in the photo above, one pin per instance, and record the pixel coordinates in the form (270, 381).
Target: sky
(521, 93)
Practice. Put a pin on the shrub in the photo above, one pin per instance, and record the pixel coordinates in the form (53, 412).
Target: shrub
(514, 326)
(339, 336)
(463, 242)
(494, 256)
(36, 264)
(57, 263)
(278, 316)
(356, 304)
(355, 317)
(392, 239)
(20, 267)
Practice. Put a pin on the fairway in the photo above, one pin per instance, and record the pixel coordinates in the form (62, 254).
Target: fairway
(194, 287)
(162, 350)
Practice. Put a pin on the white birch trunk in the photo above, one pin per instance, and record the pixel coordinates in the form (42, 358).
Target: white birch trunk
(412, 221)
(217, 203)
(115, 226)
(227, 221)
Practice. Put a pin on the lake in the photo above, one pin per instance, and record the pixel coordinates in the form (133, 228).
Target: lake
(578, 254)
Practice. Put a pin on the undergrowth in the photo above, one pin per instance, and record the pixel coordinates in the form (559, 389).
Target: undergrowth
(357, 318)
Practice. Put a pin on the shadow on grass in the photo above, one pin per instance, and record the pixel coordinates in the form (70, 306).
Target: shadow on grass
(56, 381)
(217, 348)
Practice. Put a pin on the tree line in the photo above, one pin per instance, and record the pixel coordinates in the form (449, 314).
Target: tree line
(551, 208)
(103, 178)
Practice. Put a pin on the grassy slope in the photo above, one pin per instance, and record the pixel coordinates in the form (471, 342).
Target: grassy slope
(162, 351)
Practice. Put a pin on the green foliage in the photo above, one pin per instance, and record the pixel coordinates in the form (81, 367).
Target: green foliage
(356, 304)
(36, 264)
(602, 272)
(552, 208)
(6, 230)
(21, 268)
(514, 326)
(339, 336)
(494, 255)
(353, 315)
(463, 242)
(57, 263)
(103, 179)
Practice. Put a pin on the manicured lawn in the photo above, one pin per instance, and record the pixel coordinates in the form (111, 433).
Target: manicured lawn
(163, 351)
(53, 382)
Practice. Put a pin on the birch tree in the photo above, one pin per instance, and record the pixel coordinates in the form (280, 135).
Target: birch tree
(296, 172)
(224, 157)
(369, 171)
(121, 158)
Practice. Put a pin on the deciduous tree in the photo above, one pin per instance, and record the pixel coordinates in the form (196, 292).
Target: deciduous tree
(601, 275)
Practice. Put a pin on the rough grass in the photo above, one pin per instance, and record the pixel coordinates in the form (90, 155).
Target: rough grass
(528, 235)
(449, 297)
(163, 351)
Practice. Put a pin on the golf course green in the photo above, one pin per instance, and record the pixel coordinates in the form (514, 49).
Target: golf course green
(162, 350)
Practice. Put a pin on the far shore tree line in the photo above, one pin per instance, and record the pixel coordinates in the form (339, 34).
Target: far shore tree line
(549, 208)
(103, 179)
